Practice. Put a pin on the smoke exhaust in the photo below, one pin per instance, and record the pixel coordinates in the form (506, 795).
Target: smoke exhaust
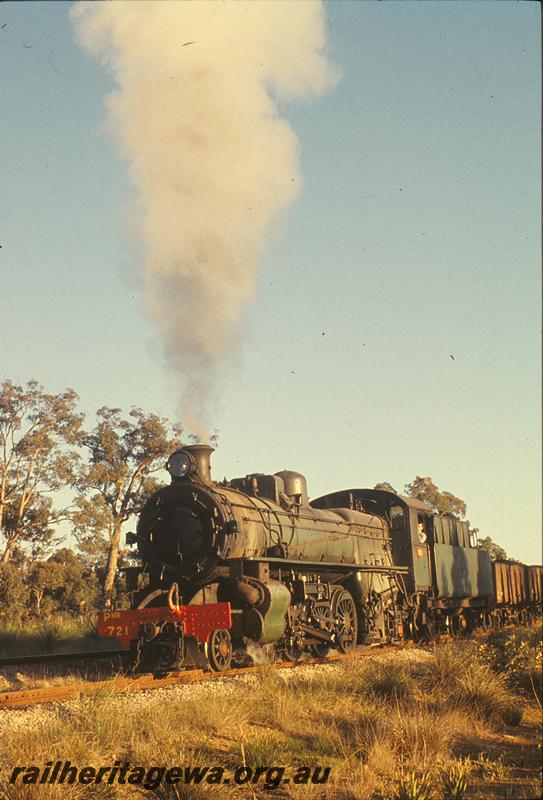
(195, 115)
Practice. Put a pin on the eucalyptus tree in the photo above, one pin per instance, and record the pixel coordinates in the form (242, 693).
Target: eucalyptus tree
(494, 550)
(124, 455)
(39, 435)
(443, 502)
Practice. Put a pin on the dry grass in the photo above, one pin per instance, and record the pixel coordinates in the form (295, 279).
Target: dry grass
(458, 679)
(403, 726)
(61, 633)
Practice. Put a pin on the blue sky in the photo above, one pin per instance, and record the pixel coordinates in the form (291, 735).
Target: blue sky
(416, 238)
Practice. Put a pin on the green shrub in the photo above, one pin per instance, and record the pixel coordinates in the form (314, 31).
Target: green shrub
(454, 782)
(518, 656)
(415, 787)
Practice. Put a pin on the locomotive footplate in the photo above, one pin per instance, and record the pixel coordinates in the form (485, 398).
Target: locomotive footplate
(164, 639)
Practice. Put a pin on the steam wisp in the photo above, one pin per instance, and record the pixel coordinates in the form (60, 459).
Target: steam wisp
(213, 163)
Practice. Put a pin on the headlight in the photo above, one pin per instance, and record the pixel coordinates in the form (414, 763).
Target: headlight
(179, 464)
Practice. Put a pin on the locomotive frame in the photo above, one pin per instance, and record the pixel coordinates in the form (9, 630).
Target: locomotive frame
(249, 563)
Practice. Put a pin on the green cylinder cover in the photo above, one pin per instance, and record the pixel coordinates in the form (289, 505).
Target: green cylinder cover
(273, 611)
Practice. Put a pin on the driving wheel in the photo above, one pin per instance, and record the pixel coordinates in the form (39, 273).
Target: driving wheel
(219, 650)
(323, 610)
(344, 612)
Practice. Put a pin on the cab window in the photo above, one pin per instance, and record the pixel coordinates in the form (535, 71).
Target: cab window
(422, 529)
(397, 518)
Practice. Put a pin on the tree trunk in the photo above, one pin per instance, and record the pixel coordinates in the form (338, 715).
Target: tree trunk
(38, 594)
(6, 555)
(111, 567)
(11, 543)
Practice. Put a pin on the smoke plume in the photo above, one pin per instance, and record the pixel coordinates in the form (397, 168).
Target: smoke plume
(196, 117)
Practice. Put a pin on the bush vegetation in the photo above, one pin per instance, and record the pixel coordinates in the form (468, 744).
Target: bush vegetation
(413, 725)
(61, 633)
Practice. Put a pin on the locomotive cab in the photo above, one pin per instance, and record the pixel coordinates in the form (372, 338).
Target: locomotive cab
(447, 572)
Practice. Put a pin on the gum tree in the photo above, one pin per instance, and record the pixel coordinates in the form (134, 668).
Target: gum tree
(124, 454)
(38, 436)
(385, 486)
(443, 502)
(495, 550)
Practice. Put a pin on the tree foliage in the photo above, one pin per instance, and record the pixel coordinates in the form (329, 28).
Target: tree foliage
(64, 582)
(38, 433)
(494, 550)
(385, 486)
(123, 456)
(13, 591)
(442, 502)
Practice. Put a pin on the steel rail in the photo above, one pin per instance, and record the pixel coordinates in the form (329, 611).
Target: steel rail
(126, 685)
(44, 658)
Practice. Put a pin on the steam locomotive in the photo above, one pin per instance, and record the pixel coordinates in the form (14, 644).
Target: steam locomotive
(229, 568)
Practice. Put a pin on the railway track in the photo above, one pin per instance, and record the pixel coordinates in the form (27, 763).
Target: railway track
(123, 684)
(46, 658)
(128, 685)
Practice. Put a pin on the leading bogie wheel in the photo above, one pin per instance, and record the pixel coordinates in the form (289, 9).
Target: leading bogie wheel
(344, 612)
(218, 650)
(293, 649)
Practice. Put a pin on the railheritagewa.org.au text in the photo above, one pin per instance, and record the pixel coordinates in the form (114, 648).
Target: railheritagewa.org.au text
(151, 777)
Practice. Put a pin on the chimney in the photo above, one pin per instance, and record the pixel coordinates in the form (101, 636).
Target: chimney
(201, 454)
